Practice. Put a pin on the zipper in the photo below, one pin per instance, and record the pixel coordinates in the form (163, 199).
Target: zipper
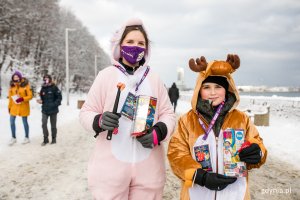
(217, 163)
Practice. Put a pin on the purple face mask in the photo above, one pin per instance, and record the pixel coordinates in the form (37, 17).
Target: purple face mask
(132, 54)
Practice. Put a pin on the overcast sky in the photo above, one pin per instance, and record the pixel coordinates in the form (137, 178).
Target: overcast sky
(265, 34)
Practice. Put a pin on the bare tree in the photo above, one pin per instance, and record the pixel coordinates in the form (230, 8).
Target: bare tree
(32, 40)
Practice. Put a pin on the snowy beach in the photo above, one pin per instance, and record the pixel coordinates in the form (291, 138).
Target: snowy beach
(60, 171)
(62, 48)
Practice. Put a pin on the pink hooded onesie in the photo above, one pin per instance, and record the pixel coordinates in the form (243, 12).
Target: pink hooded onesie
(122, 168)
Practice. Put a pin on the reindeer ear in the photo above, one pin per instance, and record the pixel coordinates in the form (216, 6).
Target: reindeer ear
(200, 64)
(233, 60)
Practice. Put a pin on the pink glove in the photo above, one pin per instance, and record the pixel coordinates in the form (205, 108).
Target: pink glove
(19, 100)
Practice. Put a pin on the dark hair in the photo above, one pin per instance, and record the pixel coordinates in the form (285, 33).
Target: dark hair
(47, 76)
(128, 29)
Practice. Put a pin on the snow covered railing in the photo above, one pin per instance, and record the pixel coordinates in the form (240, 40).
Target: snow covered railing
(259, 114)
(273, 101)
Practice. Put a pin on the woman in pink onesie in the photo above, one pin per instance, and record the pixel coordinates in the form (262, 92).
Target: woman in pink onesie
(128, 167)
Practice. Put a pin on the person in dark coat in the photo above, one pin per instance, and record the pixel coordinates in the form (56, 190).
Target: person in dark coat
(174, 95)
(50, 98)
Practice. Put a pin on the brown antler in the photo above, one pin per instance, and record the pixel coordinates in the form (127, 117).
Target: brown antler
(200, 64)
(233, 60)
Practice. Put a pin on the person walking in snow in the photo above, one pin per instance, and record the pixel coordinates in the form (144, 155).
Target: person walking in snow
(212, 116)
(19, 95)
(128, 167)
(50, 98)
(174, 95)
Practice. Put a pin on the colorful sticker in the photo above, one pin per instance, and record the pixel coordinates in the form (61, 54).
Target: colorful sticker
(128, 108)
(202, 156)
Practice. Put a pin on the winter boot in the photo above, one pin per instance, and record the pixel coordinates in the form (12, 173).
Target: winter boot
(53, 135)
(53, 141)
(46, 141)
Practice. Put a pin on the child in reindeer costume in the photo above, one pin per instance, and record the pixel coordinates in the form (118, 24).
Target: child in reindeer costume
(213, 110)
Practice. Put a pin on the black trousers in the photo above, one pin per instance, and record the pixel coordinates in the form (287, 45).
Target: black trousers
(53, 119)
(174, 104)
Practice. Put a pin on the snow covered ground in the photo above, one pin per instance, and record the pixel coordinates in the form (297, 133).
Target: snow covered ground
(66, 114)
(34, 172)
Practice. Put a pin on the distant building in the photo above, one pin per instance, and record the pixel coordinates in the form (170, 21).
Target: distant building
(180, 79)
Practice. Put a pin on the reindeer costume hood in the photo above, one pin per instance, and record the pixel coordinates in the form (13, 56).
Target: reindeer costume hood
(215, 68)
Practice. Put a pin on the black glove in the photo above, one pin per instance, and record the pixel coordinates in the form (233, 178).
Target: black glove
(147, 139)
(251, 154)
(109, 121)
(213, 181)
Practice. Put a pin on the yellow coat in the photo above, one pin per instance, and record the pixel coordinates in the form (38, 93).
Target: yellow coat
(21, 89)
(188, 130)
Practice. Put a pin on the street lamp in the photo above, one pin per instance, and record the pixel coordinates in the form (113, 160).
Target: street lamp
(67, 61)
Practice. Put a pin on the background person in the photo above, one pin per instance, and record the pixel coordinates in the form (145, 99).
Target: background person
(19, 95)
(50, 98)
(174, 95)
